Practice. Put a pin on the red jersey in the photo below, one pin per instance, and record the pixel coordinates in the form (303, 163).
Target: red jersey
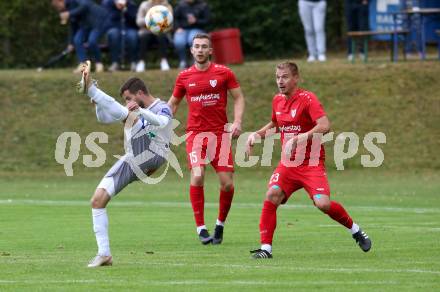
(298, 114)
(207, 94)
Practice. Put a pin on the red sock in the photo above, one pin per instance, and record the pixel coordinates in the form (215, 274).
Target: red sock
(225, 204)
(338, 213)
(268, 222)
(197, 197)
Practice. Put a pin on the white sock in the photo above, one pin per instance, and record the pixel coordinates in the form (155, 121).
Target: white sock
(108, 103)
(354, 228)
(267, 247)
(100, 226)
(200, 228)
(218, 222)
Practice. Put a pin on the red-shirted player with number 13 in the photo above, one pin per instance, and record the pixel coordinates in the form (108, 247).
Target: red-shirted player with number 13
(300, 118)
(206, 87)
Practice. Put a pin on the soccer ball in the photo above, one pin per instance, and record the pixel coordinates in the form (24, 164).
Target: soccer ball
(159, 19)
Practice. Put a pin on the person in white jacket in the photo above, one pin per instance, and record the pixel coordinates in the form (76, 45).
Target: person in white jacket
(312, 13)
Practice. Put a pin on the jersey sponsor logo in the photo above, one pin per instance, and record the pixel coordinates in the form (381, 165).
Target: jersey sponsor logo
(291, 128)
(205, 97)
(293, 113)
(213, 82)
(278, 113)
(192, 85)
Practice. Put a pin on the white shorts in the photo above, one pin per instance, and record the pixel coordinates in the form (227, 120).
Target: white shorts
(123, 171)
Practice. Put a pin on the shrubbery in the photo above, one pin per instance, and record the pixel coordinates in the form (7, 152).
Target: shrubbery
(30, 31)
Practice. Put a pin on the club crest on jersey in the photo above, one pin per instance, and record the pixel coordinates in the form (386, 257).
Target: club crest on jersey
(213, 82)
(293, 113)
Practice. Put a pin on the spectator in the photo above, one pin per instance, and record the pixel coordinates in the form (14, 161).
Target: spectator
(146, 38)
(312, 13)
(356, 14)
(88, 22)
(122, 32)
(190, 18)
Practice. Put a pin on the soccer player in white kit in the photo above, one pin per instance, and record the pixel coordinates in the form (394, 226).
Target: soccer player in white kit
(147, 145)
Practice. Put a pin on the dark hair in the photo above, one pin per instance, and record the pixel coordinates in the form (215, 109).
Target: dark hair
(133, 85)
(202, 35)
(289, 65)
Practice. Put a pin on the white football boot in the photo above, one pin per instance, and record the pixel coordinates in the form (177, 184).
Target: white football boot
(84, 83)
(99, 261)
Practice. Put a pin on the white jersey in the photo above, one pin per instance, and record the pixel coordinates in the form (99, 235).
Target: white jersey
(159, 136)
(154, 136)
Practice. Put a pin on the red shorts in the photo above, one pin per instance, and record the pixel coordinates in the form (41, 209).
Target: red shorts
(214, 148)
(290, 179)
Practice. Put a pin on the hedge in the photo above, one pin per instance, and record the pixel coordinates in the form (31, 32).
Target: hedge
(30, 31)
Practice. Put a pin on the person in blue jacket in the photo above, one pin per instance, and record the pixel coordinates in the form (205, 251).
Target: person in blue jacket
(190, 18)
(88, 23)
(122, 34)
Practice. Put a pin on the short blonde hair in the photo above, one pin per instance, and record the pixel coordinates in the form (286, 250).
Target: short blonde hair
(289, 65)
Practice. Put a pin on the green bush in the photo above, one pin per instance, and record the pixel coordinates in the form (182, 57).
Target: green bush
(30, 32)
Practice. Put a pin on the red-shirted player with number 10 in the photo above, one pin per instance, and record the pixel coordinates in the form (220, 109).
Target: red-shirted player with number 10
(206, 87)
(301, 119)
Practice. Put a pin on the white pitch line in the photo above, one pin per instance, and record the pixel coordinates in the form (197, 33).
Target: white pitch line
(208, 205)
(314, 269)
(199, 282)
(48, 281)
(428, 228)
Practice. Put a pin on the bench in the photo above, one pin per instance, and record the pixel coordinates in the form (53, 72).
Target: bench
(438, 41)
(364, 35)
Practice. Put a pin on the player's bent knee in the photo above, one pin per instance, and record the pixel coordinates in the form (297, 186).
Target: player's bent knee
(227, 187)
(276, 196)
(197, 176)
(99, 199)
(197, 181)
(323, 205)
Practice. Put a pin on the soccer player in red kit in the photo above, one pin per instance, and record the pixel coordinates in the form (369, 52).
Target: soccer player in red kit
(301, 119)
(206, 87)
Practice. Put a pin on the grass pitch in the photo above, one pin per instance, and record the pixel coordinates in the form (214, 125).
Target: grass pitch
(401, 100)
(46, 236)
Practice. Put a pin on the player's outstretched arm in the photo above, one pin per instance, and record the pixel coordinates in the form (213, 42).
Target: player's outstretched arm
(262, 133)
(160, 119)
(174, 103)
(322, 127)
(239, 105)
